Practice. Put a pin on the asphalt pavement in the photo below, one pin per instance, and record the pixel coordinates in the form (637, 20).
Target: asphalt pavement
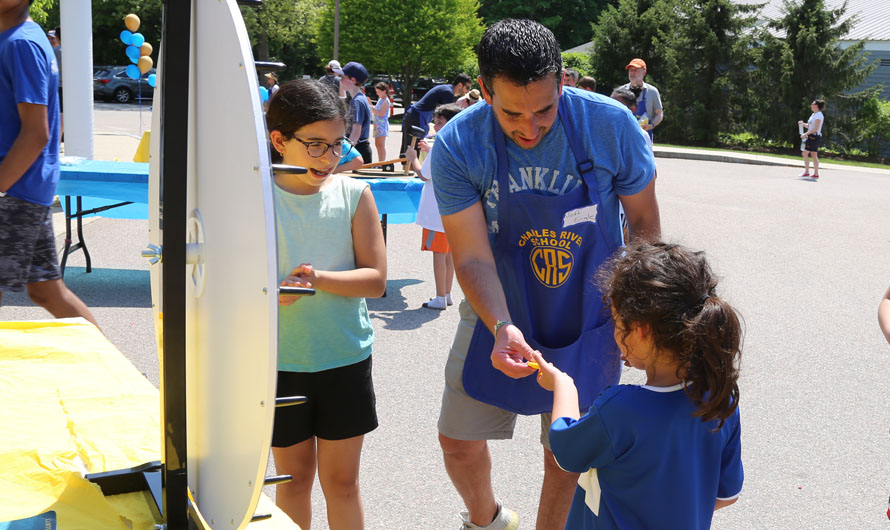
(804, 262)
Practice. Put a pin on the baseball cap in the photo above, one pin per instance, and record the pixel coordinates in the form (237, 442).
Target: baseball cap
(636, 63)
(334, 65)
(354, 69)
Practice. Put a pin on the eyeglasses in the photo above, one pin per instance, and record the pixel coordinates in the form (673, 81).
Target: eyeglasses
(318, 149)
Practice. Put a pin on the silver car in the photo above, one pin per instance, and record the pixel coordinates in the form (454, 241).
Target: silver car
(113, 84)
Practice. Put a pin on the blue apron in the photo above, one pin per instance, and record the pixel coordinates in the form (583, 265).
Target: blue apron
(546, 261)
(638, 114)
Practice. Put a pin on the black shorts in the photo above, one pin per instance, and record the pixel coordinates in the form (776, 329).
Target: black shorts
(364, 149)
(27, 244)
(341, 405)
(813, 143)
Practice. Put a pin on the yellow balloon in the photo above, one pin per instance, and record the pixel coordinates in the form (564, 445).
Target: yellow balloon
(144, 63)
(145, 49)
(132, 22)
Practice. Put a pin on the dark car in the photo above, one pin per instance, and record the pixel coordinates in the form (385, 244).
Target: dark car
(423, 85)
(113, 84)
(394, 90)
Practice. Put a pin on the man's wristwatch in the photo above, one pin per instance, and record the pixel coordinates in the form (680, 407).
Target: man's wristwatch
(500, 324)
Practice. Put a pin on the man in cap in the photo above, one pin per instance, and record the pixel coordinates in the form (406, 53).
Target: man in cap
(648, 110)
(330, 77)
(272, 83)
(353, 76)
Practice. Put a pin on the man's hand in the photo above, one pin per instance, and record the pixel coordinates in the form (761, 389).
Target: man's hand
(511, 352)
(647, 127)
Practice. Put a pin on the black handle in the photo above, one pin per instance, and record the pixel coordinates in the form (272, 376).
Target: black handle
(269, 66)
(304, 291)
(289, 170)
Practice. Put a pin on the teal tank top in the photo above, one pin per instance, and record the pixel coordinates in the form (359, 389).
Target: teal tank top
(324, 331)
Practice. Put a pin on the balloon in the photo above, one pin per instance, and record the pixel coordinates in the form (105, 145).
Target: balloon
(152, 80)
(144, 64)
(133, 71)
(132, 53)
(264, 94)
(145, 49)
(132, 22)
(126, 37)
(138, 40)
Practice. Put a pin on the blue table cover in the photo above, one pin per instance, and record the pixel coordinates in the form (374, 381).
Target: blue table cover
(104, 182)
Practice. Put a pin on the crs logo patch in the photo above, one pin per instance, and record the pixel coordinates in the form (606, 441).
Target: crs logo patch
(552, 266)
(551, 254)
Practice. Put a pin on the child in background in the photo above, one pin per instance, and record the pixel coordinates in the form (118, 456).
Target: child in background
(428, 216)
(329, 238)
(381, 119)
(665, 454)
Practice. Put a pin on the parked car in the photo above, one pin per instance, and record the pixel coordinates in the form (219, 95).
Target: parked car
(394, 91)
(113, 84)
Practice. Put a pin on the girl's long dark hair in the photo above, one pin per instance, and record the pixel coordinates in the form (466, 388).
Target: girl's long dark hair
(301, 102)
(671, 289)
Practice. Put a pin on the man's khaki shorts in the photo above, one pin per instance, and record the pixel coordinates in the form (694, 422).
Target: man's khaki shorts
(463, 417)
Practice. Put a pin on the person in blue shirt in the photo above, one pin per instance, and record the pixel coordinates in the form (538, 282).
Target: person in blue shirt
(29, 164)
(354, 76)
(665, 454)
(528, 186)
(420, 113)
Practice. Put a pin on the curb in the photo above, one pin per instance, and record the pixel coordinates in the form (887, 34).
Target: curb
(757, 160)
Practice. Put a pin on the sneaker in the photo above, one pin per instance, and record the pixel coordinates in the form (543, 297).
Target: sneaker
(814, 176)
(804, 175)
(448, 299)
(436, 303)
(506, 519)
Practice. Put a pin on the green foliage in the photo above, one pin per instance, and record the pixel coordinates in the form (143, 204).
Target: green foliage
(108, 22)
(578, 61)
(569, 20)
(806, 64)
(40, 10)
(623, 31)
(406, 38)
(285, 31)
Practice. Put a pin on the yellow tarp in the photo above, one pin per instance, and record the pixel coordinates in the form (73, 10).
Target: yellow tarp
(70, 404)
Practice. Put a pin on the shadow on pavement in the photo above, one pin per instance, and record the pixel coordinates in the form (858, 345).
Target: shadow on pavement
(100, 288)
(393, 311)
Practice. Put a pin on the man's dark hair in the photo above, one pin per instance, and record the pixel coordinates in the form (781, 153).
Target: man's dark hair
(462, 79)
(587, 83)
(58, 31)
(447, 111)
(522, 51)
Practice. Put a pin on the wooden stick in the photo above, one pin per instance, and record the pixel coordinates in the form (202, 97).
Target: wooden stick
(385, 163)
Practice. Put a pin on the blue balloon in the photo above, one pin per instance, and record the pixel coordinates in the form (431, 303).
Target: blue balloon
(264, 94)
(133, 53)
(138, 40)
(152, 79)
(133, 71)
(127, 37)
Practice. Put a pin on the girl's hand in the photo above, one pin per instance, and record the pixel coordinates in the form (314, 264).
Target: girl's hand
(301, 276)
(803, 137)
(423, 146)
(800, 122)
(548, 374)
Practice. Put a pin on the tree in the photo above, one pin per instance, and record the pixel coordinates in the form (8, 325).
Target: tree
(407, 38)
(285, 31)
(569, 20)
(108, 22)
(623, 31)
(799, 59)
(704, 53)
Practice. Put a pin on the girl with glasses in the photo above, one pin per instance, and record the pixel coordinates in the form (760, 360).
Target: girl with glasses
(329, 238)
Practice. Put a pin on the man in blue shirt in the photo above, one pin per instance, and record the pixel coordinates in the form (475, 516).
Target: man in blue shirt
(29, 164)
(420, 113)
(354, 76)
(528, 187)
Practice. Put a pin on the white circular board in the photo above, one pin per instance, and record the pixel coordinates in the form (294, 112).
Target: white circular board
(232, 302)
